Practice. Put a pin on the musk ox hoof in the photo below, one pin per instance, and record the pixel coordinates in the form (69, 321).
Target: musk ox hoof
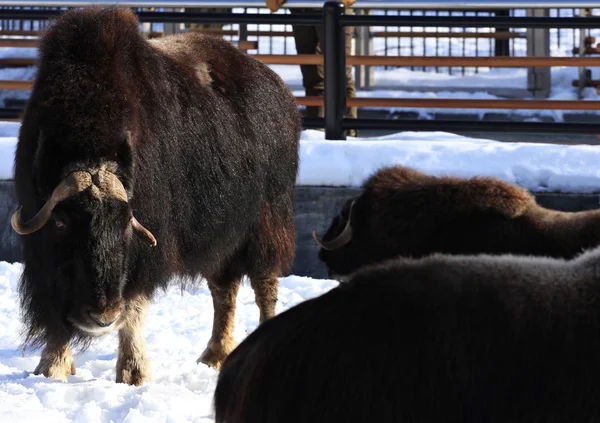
(132, 372)
(56, 367)
(216, 352)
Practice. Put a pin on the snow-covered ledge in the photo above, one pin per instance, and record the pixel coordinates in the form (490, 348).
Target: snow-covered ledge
(534, 166)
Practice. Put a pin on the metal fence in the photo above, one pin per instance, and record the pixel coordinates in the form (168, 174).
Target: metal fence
(391, 40)
(334, 59)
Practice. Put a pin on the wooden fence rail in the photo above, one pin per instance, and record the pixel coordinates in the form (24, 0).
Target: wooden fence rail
(451, 103)
(314, 59)
(493, 62)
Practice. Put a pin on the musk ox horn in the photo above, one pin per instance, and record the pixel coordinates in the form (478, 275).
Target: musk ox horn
(102, 182)
(342, 239)
(110, 184)
(143, 232)
(71, 185)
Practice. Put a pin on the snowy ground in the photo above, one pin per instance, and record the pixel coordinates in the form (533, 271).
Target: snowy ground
(177, 329)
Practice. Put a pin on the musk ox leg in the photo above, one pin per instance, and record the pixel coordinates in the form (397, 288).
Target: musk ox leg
(265, 293)
(221, 342)
(56, 361)
(132, 366)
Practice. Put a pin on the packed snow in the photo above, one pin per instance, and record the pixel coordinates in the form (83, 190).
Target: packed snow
(177, 329)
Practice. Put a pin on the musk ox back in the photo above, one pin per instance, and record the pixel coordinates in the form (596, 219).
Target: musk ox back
(402, 212)
(438, 339)
(138, 162)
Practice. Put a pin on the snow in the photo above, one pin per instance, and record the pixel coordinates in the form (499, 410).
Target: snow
(538, 167)
(177, 329)
(535, 166)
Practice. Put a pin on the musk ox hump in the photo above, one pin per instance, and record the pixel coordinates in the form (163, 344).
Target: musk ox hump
(183, 49)
(89, 34)
(453, 194)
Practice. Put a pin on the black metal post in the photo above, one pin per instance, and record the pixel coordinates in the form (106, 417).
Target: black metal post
(334, 61)
(502, 46)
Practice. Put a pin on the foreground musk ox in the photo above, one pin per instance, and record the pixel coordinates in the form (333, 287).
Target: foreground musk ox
(438, 339)
(403, 212)
(142, 161)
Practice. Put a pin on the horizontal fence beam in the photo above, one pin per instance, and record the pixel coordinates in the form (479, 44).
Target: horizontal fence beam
(15, 84)
(315, 59)
(495, 62)
(290, 4)
(33, 42)
(471, 21)
(468, 126)
(348, 20)
(448, 34)
(8, 115)
(459, 103)
(19, 43)
(307, 19)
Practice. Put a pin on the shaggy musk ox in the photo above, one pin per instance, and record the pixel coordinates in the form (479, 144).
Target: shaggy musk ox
(141, 161)
(405, 213)
(438, 339)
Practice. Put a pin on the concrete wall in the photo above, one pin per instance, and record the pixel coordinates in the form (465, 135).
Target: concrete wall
(315, 207)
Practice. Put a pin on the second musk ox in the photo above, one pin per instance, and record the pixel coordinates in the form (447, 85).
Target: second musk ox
(140, 161)
(402, 212)
(443, 338)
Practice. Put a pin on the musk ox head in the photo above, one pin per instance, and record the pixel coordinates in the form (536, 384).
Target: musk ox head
(339, 246)
(82, 237)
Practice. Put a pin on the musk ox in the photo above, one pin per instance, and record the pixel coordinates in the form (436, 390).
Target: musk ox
(402, 212)
(140, 161)
(444, 338)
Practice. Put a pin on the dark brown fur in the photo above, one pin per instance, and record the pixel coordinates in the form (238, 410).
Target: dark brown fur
(460, 339)
(403, 212)
(210, 170)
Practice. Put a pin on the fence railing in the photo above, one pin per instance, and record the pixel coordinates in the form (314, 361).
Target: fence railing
(403, 41)
(334, 59)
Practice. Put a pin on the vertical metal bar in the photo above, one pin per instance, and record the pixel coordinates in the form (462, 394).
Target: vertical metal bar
(359, 46)
(242, 32)
(582, 47)
(369, 50)
(538, 44)
(437, 42)
(466, 13)
(450, 44)
(502, 47)
(334, 58)
(412, 40)
(424, 39)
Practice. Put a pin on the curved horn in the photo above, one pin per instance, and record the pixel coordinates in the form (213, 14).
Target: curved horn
(342, 239)
(109, 183)
(143, 232)
(71, 185)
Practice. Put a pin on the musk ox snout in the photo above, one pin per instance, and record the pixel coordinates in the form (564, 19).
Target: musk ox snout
(98, 318)
(104, 317)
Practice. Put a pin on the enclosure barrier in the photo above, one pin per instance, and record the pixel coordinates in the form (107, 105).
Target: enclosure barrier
(335, 60)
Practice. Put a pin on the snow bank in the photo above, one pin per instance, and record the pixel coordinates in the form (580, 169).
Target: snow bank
(538, 167)
(177, 329)
(535, 166)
